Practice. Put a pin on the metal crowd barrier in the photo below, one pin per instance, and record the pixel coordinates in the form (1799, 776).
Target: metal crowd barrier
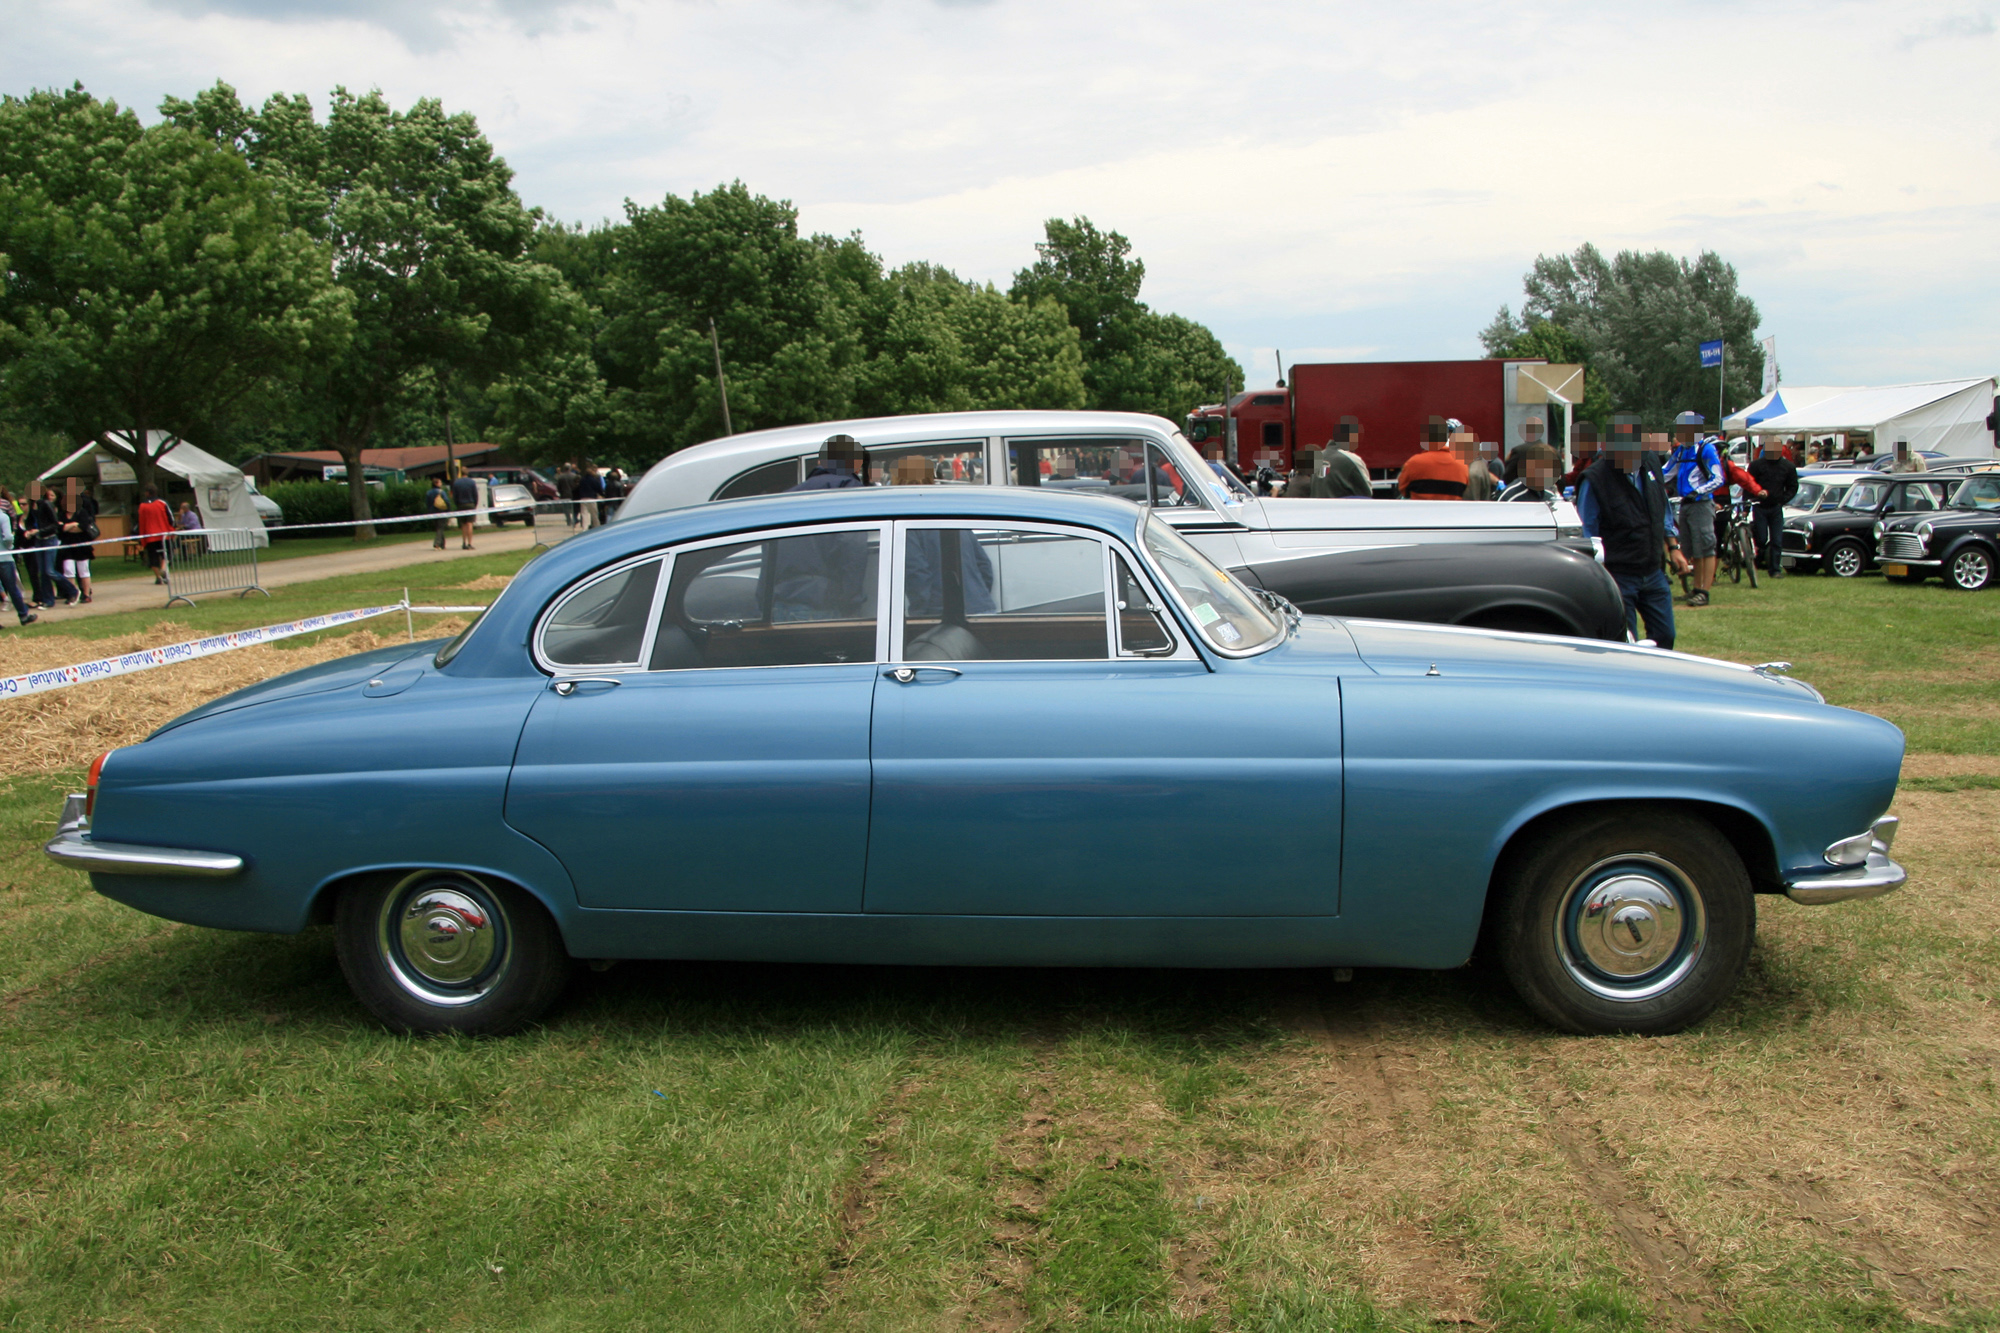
(211, 561)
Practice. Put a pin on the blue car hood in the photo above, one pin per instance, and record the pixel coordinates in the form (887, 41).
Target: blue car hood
(336, 674)
(1400, 648)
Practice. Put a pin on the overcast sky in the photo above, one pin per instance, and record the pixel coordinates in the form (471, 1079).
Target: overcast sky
(1360, 181)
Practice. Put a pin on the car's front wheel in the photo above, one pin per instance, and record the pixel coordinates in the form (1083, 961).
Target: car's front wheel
(1627, 920)
(444, 951)
(1846, 559)
(1969, 569)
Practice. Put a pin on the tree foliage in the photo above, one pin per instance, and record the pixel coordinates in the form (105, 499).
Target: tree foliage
(153, 282)
(1636, 322)
(428, 238)
(1134, 360)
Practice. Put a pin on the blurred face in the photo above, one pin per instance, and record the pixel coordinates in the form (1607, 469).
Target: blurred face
(1625, 453)
(1541, 474)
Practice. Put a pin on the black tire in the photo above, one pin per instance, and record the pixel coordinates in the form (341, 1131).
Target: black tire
(1668, 878)
(1846, 559)
(443, 951)
(1746, 555)
(1969, 568)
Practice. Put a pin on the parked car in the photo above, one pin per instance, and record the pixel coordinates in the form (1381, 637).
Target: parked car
(539, 485)
(988, 726)
(269, 511)
(508, 501)
(1879, 462)
(1822, 490)
(1842, 540)
(1500, 566)
(1959, 543)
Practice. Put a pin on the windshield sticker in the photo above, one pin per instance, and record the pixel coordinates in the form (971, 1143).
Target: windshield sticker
(1228, 633)
(1205, 615)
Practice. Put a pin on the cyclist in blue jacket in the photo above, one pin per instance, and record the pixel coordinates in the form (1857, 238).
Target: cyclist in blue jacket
(1695, 473)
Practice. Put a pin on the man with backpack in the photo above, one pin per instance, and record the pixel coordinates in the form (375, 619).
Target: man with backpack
(1694, 472)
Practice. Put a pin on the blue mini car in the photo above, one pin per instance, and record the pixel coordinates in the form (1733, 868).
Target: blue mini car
(928, 724)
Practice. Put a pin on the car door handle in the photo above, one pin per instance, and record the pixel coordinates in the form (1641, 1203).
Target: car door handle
(906, 674)
(568, 687)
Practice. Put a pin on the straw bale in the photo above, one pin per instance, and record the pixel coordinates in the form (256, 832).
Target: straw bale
(484, 583)
(68, 728)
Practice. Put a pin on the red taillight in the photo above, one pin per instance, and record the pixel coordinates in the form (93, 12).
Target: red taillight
(90, 784)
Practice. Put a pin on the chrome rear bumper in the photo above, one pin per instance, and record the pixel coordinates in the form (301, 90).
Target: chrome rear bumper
(72, 846)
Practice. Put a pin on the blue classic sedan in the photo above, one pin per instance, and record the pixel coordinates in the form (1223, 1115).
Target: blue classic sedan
(950, 725)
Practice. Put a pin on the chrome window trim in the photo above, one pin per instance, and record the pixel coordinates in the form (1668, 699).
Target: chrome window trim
(1108, 545)
(666, 555)
(548, 667)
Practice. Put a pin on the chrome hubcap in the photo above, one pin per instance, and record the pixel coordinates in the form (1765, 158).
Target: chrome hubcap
(1970, 569)
(1630, 927)
(1847, 562)
(444, 938)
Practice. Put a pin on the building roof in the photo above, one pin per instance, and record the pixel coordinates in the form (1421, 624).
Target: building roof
(398, 460)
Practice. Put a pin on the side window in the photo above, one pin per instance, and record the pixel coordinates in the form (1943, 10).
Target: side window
(998, 594)
(960, 463)
(1142, 630)
(769, 479)
(783, 601)
(1095, 465)
(1167, 488)
(1922, 495)
(603, 623)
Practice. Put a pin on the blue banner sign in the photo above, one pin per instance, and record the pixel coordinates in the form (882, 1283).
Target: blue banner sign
(1711, 353)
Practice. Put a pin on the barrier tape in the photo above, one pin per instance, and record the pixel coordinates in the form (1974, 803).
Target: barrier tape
(104, 668)
(154, 538)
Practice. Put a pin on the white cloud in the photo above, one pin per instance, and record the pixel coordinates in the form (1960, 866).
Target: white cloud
(1370, 176)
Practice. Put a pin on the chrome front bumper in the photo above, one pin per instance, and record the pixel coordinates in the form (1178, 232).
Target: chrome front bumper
(1869, 878)
(72, 846)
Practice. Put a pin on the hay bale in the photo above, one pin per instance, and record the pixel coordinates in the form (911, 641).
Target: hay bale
(69, 728)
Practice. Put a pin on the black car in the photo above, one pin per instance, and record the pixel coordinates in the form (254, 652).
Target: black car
(1960, 543)
(1842, 540)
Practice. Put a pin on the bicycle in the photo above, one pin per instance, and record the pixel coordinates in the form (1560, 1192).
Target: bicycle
(1738, 547)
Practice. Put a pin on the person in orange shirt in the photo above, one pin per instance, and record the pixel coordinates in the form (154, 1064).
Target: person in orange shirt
(1433, 473)
(155, 522)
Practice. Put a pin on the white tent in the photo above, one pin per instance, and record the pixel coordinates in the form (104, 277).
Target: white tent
(220, 493)
(1946, 415)
(1785, 398)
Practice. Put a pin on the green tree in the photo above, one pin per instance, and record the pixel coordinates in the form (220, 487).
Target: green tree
(153, 283)
(947, 345)
(429, 239)
(785, 308)
(1642, 317)
(1134, 359)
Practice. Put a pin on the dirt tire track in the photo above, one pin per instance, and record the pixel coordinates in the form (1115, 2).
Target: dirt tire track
(1363, 1057)
(1856, 1235)
(1682, 1295)
(1001, 1304)
(860, 1205)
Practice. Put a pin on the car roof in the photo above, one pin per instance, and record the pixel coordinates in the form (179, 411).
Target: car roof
(542, 578)
(716, 461)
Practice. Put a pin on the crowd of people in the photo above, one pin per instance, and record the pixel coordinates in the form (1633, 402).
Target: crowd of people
(1649, 500)
(45, 549)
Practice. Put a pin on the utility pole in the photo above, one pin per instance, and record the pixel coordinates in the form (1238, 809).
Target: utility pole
(715, 340)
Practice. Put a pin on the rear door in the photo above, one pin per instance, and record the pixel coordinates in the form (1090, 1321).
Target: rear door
(703, 742)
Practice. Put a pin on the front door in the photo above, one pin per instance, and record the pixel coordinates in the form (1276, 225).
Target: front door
(703, 746)
(1037, 756)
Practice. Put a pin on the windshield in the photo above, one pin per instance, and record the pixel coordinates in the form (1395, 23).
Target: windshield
(1184, 453)
(1865, 495)
(1808, 495)
(1228, 616)
(1978, 493)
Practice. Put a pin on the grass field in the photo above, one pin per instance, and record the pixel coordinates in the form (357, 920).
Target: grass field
(201, 1130)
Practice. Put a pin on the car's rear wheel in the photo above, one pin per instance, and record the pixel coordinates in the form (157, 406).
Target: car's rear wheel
(1969, 569)
(444, 951)
(1846, 559)
(1627, 920)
